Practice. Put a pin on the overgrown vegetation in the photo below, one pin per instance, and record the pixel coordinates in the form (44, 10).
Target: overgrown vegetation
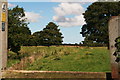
(117, 52)
(66, 58)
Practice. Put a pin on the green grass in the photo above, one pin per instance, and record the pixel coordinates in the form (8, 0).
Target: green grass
(12, 59)
(84, 59)
(12, 62)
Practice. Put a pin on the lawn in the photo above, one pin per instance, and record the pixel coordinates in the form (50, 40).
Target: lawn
(64, 58)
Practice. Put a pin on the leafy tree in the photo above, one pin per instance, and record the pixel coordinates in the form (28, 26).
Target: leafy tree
(50, 35)
(37, 38)
(18, 32)
(97, 16)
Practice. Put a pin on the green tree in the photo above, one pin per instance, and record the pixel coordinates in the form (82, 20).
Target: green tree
(97, 16)
(50, 35)
(18, 32)
(37, 38)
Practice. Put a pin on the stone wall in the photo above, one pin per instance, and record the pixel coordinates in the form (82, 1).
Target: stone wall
(114, 32)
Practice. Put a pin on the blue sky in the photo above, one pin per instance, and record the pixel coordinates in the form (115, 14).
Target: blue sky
(67, 15)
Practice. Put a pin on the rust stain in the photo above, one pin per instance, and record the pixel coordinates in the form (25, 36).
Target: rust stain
(115, 72)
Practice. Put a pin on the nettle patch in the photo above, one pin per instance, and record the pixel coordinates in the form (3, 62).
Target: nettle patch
(117, 52)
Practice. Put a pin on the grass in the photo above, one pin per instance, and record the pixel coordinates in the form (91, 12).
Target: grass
(61, 58)
(12, 62)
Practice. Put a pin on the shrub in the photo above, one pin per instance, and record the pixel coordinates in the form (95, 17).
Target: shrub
(117, 52)
(12, 55)
(22, 55)
(57, 58)
(46, 55)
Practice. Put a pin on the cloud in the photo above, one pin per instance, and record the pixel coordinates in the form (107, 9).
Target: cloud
(60, 0)
(69, 9)
(11, 5)
(69, 22)
(74, 0)
(32, 17)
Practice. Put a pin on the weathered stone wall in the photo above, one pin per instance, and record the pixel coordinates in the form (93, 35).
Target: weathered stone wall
(114, 32)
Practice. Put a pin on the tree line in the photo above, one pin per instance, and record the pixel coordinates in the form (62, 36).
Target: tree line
(97, 17)
(95, 30)
(20, 35)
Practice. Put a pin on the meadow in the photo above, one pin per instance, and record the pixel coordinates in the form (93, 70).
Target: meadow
(61, 58)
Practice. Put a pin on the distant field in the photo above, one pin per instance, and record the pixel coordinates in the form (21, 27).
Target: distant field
(61, 58)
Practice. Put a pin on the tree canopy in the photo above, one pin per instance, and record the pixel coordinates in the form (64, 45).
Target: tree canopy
(17, 29)
(20, 35)
(50, 35)
(97, 16)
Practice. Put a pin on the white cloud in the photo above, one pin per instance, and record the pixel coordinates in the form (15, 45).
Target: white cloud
(67, 9)
(74, 0)
(68, 22)
(32, 16)
(59, 0)
(11, 5)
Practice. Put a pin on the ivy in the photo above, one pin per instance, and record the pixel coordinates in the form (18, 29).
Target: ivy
(117, 52)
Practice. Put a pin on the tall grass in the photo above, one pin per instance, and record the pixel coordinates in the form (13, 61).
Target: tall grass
(61, 58)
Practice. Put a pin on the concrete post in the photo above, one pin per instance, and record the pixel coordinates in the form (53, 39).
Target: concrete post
(114, 32)
(3, 34)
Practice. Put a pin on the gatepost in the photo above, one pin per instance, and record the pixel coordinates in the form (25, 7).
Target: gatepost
(114, 32)
(3, 34)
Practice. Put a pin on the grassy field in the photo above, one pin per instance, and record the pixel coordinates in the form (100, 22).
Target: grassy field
(61, 58)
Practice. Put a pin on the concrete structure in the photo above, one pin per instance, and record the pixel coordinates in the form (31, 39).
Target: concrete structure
(46, 75)
(114, 32)
(3, 33)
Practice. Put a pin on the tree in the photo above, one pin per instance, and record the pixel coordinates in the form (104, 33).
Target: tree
(50, 35)
(97, 16)
(18, 32)
(37, 38)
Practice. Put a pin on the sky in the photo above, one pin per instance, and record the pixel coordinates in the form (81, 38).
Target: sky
(68, 15)
(53, 0)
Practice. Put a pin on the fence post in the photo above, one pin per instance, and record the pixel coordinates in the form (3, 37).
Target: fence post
(114, 32)
(3, 33)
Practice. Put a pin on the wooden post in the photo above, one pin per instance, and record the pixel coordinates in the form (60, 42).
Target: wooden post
(3, 34)
(114, 32)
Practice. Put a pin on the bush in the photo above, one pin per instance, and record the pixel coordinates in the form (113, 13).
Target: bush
(117, 45)
(57, 58)
(117, 52)
(22, 55)
(12, 55)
